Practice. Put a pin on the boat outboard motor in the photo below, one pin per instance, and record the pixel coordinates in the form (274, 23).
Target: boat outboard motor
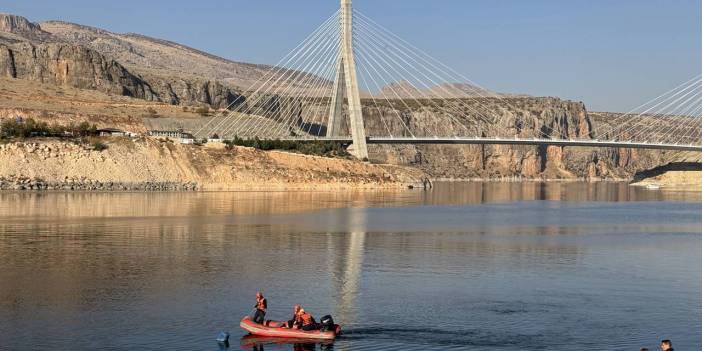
(327, 323)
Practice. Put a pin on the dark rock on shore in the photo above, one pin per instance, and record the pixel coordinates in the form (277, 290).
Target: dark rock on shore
(36, 184)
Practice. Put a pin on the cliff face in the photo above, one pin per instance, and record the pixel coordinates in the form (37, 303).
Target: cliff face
(73, 66)
(182, 91)
(156, 56)
(83, 57)
(523, 117)
(22, 27)
(79, 67)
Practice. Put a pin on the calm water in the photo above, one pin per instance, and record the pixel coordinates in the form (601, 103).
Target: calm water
(463, 267)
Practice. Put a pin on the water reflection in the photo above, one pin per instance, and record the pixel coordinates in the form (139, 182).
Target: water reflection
(155, 271)
(346, 260)
(44, 206)
(257, 343)
(458, 193)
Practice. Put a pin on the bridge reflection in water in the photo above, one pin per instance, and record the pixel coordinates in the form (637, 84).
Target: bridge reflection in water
(346, 251)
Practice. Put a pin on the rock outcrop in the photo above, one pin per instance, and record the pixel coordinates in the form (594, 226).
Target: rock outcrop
(180, 91)
(79, 67)
(22, 27)
(157, 56)
(71, 65)
(85, 58)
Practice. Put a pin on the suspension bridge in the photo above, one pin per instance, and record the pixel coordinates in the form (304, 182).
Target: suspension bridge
(354, 81)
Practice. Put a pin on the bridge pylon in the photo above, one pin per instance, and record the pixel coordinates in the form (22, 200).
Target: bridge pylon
(346, 85)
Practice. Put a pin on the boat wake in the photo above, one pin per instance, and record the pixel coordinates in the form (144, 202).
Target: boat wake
(443, 337)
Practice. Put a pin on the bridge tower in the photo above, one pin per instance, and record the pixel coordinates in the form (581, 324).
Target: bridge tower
(346, 85)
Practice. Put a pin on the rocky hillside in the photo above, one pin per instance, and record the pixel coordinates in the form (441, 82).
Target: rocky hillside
(161, 57)
(127, 64)
(407, 90)
(71, 65)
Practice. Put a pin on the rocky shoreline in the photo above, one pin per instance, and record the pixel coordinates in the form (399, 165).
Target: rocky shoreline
(154, 165)
(24, 183)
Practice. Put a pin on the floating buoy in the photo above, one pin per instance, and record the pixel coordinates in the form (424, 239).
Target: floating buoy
(223, 337)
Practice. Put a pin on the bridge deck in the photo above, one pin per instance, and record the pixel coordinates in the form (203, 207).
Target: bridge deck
(506, 141)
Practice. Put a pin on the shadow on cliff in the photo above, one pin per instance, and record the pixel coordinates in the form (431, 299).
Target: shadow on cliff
(313, 129)
(671, 167)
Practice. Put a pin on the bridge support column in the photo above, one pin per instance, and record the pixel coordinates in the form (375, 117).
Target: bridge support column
(347, 84)
(337, 102)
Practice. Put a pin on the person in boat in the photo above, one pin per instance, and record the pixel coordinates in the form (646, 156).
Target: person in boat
(305, 321)
(296, 312)
(261, 306)
(666, 345)
(301, 320)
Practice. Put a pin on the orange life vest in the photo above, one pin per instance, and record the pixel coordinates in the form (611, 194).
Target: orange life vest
(306, 319)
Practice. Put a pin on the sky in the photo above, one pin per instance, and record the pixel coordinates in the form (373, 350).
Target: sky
(611, 54)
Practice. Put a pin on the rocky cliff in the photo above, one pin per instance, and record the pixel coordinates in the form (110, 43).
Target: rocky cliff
(160, 57)
(21, 27)
(90, 58)
(80, 67)
(523, 117)
(71, 65)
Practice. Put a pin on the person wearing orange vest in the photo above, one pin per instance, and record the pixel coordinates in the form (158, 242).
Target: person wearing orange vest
(261, 306)
(301, 320)
(296, 312)
(305, 321)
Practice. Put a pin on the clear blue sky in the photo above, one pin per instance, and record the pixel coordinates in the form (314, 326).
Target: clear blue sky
(611, 54)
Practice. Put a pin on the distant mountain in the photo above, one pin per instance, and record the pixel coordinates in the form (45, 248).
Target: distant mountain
(162, 57)
(402, 90)
(406, 90)
(457, 90)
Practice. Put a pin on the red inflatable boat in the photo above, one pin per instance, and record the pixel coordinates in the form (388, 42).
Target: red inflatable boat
(274, 329)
